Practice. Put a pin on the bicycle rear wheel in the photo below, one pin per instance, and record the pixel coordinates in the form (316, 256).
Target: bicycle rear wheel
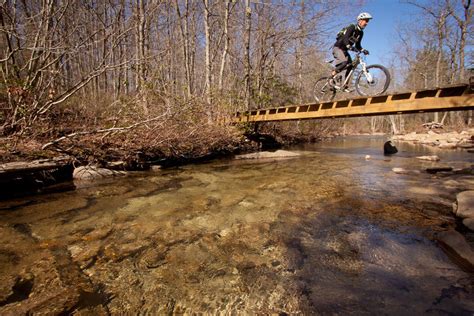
(323, 91)
(375, 83)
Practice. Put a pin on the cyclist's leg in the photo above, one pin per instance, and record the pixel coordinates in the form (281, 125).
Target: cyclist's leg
(348, 66)
(341, 59)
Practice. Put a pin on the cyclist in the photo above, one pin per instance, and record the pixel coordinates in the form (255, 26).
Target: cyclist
(347, 39)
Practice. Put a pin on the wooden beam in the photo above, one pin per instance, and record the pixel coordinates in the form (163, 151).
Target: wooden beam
(452, 98)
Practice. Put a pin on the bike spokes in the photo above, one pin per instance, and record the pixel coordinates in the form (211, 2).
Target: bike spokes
(373, 82)
(323, 90)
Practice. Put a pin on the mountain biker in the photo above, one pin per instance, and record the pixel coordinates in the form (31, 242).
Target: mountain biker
(350, 37)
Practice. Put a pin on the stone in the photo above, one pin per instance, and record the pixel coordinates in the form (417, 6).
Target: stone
(93, 173)
(464, 207)
(447, 145)
(438, 169)
(155, 168)
(469, 170)
(404, 171)
(469, 223)
(429, 158)
(399, 170)
(389, 148)
(466, 145)
(457, 248)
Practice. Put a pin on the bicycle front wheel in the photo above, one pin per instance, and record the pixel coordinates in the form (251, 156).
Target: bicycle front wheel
(374, 82)
(323, 91)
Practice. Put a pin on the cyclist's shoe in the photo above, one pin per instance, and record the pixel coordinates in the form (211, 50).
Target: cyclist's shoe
(333, 85)
(336, 82)
(348, 90)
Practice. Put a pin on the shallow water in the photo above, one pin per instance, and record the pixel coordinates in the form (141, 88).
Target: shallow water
(330, 232)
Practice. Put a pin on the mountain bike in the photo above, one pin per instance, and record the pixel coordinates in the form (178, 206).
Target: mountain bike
(369, 80)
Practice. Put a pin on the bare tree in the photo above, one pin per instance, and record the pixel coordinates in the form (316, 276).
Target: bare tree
(463, 21)
(44, 49)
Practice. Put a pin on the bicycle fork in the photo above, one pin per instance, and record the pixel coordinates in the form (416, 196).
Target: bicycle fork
(367, 74)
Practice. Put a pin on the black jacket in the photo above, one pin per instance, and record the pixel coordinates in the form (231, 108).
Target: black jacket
(352, 36)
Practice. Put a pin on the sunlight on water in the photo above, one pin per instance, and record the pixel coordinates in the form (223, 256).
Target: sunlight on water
(323, 233)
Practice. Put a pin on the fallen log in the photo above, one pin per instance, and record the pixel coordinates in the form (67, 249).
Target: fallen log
(23, 178)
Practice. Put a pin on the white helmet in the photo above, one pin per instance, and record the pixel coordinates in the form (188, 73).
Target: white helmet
(364, 16)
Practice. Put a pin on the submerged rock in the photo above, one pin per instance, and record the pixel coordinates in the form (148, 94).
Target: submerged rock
(457, 248)
(469, 223)
(438, 169)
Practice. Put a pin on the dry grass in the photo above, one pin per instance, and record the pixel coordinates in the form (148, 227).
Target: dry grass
(126, 131)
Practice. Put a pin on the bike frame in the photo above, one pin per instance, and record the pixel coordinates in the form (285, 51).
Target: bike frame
(358, 61)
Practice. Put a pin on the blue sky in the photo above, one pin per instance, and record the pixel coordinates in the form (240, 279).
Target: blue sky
(380, 34)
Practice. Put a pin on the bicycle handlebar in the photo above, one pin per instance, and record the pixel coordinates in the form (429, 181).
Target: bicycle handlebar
(355, 50)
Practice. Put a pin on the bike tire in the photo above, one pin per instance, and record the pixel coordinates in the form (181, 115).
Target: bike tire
(323, 91)
(380, 85)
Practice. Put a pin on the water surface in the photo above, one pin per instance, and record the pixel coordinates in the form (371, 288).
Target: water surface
(330, 232)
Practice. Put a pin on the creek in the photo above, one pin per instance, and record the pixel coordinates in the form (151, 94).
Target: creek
(329, 232)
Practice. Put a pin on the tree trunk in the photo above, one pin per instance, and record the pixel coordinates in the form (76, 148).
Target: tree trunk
(184, 32)
(463, 24)
(207, 17)
(393, 124)
(140, 45)
(225, 51)
(299, 51)
(248, 25)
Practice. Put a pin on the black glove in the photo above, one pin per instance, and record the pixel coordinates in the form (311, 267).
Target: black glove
(364, 51)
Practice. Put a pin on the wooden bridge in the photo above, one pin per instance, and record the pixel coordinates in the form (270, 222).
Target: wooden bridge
(451, 98)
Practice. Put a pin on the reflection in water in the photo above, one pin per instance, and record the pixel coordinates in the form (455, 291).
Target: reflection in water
(324, 233)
